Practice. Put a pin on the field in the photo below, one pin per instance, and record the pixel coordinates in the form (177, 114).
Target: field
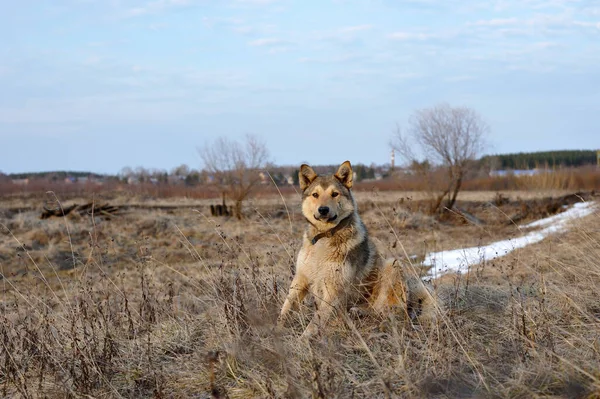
(160, 299)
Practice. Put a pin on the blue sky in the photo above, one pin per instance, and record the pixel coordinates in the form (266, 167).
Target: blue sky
(102, 84)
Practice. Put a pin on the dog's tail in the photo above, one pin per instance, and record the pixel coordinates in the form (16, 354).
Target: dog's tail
(390, 290)
(400, 287)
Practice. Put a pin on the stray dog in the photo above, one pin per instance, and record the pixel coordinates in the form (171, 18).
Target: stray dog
(338, 262)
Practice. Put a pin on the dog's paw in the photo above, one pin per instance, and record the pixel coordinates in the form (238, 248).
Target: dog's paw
(310, 332)
(358, 312)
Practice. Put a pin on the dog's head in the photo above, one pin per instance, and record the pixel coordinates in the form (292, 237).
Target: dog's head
(326, 199)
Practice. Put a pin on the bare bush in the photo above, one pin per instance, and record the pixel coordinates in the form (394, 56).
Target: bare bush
(235, 166)
(450, 138)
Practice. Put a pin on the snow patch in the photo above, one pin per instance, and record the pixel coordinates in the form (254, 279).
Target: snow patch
(460, 259)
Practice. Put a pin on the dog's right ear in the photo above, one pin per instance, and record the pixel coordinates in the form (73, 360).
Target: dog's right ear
(306, 176)
(345, 175)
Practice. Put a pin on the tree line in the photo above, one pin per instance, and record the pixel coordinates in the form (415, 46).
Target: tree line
(191, 177)
(54, 175)
(530, 160)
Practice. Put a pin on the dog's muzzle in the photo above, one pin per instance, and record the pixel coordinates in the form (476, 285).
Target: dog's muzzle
(326, 217)
(323, 210)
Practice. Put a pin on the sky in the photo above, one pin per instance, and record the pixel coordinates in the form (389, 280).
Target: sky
(102, 84)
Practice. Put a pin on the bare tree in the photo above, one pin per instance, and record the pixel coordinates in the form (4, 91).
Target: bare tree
(235, 166)
(449, 137)
(181, 171)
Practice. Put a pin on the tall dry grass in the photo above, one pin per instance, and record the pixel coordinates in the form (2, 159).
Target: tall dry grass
(584, 178)
(524, 326)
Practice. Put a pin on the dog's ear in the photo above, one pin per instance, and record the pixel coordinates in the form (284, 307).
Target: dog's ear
(306, 176)
(344, 174)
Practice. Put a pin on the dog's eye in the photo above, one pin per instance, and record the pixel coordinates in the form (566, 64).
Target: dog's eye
(334, 194)
(315, 195)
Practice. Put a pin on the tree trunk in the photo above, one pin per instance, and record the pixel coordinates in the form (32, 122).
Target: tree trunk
(238, 209)
(452, 199)
(435, 206)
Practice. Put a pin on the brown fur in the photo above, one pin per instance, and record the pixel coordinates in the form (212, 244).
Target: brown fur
(338, 262)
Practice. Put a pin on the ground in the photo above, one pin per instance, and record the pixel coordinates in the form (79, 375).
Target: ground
(162, 299)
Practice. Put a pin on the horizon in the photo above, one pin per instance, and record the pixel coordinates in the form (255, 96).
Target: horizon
(99, 86)
(371, 164)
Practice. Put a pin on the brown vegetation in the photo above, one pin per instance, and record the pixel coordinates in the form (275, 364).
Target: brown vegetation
(167, 302)
(571, 179)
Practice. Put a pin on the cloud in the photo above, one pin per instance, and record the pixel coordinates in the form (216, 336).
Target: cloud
(343, 37)
(230, 22)
(593, 11)
(263, 29)
(353, 29)
(239, 25)
(155, 7)
(496, 22)
(459, 78)
(273, 45)
(545, 4)
(411, 36)
(92, 60)
(268, 42)
(158, 27)
(334, 59)
(257, 2)
(539, 23)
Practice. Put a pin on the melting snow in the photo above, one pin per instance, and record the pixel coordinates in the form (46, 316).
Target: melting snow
(460, 259)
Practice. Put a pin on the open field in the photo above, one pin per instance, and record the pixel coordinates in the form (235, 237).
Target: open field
(163, 300)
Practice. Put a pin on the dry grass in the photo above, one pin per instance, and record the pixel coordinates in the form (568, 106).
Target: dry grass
(550, 179)
(173, 303)
(582, 178)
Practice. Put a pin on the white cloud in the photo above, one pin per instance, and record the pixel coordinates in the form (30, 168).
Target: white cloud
(409, 36)
(357, 28)
(334, 59)
(158, 27)
(563, 23)
(279, 49)
(273, 45)
(155, 7)
(546, 45)
(268, 42)
(257, 2)
(459, 78)
(261, 29)
(496, 22)
(210, 22)
(592, 11)
(92, 60)
(343, 35)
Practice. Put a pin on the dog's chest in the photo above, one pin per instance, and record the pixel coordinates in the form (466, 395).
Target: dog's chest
(323, 259)
(317, 252)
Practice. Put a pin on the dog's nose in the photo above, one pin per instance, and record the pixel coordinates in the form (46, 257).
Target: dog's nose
(323, 210)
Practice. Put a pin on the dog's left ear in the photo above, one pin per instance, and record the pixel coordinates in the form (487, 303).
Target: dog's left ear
(344, 174)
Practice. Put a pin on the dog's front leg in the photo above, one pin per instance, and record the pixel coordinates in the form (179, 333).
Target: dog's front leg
(331, 300)
(296, 294)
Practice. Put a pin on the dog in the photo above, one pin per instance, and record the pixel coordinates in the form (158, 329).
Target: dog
(339, 263)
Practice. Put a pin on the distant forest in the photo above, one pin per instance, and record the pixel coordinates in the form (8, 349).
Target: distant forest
(55, 175)
(530, 160)
(521, 160)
